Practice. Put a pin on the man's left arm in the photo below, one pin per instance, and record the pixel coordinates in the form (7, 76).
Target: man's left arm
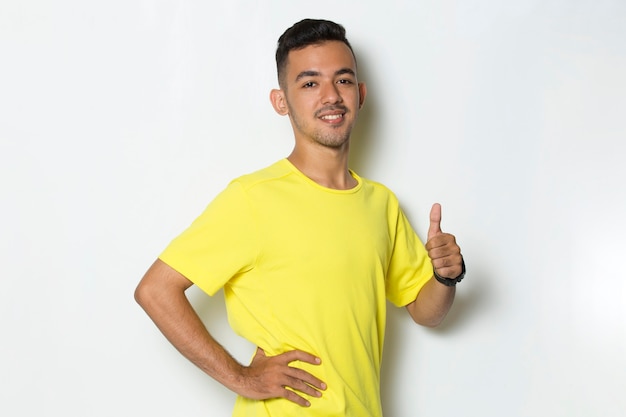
(436, 297)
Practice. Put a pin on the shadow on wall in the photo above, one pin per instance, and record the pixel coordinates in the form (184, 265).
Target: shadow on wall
(363, 139)
(470, 299)
(468, 303)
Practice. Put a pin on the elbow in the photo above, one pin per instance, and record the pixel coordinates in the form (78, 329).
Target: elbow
(432, 304)
(141, 294)
(425, 317)
(159, 287)
(148, 288)
(146, 293)
(428, 321)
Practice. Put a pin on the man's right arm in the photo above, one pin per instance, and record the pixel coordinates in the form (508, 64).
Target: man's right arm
(161, 293)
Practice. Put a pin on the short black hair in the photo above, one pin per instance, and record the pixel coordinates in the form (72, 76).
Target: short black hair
(304, 33)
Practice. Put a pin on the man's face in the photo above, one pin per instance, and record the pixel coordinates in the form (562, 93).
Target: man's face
(321, 94)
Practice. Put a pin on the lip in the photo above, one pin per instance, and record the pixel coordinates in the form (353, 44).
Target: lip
(332, 116)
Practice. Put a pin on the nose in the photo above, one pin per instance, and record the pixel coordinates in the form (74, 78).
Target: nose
(330, 94)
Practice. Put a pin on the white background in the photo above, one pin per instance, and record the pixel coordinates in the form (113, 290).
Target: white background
(121, 120)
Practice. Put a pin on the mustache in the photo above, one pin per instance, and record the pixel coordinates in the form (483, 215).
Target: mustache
(331, 109)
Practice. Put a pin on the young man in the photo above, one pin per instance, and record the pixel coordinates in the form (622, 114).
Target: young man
(307, 253)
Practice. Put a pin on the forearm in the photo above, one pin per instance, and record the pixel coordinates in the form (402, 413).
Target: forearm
(432, 303)
(168, 307)
(161, 293)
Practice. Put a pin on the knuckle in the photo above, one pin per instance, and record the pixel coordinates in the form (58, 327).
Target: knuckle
(300, 385)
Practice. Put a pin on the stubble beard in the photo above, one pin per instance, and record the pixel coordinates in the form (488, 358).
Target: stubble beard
(331, 137)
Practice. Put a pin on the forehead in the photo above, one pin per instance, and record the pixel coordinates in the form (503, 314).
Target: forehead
(325, 57)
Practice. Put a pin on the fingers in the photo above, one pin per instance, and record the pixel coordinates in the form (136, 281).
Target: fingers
(435, 221)
(272, 377)
(305, 383)
(442, 241)
(311, 383)
(442, 248)
(445, 255)
(298, 375)
(295, 398)
(449, 266)
(299, 355)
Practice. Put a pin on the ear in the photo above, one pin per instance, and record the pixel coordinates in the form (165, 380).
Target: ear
(277, 97)
(362, 94)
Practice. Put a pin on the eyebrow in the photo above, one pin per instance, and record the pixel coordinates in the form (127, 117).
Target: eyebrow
(311, 73)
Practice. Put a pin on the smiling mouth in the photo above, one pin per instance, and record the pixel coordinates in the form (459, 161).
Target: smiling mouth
(332, 117)
(334, 114)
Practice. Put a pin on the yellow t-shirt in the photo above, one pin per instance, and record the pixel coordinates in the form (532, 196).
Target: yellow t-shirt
(307, 267)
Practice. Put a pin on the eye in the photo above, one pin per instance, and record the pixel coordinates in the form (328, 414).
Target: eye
(308, 84)
(345, 81)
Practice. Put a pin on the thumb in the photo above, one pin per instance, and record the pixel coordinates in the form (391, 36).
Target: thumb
(435, 221)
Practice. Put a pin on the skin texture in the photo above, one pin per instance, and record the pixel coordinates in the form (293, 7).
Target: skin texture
(322, 97)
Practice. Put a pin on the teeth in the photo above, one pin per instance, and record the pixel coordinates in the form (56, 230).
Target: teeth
(332, 117)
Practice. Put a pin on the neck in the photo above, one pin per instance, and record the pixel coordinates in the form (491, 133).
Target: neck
(326, 166)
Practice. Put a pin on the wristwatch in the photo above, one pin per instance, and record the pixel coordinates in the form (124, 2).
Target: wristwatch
(451, 282)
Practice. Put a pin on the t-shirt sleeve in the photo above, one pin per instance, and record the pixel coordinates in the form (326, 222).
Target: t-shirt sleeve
(410, 267)
(219, 245)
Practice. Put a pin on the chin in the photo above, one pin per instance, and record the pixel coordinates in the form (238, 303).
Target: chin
(332, 141)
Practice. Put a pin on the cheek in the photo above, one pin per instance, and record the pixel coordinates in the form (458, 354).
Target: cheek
(304, 105)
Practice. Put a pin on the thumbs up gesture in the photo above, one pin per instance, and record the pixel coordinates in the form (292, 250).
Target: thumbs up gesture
(443, 251)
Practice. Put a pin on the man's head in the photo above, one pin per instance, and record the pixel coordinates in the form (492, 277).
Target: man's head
(302, 34)
(319, 90)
